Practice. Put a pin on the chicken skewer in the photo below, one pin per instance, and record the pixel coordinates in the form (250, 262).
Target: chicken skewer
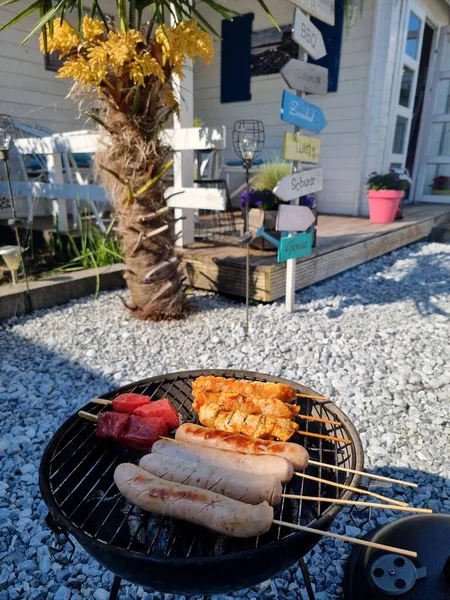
(255, 405)
(254, 426)
(247, 388)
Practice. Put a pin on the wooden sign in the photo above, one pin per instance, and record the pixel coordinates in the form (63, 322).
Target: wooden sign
(301, 113)
(321, 9)
(294, 218)
(199, 198)
(305, 77)
(299, 184)
(295, 246)
(301, 148)
(308, 36)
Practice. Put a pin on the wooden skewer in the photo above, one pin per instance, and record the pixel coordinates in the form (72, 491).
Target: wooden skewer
(101, 401)
(352, 489)
(369, 475)
(345, 538)
(358, 503)
(325, 437)
(312, 396)
(88, 416)
(317, 419)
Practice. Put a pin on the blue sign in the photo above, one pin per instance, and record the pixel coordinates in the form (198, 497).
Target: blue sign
(301, 113)
(295, 246)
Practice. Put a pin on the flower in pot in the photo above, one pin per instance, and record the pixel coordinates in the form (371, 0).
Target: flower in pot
(441, 185)
(385, 193)
(263, 209)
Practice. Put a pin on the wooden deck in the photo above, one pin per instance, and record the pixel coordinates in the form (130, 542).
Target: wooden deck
(342, 243)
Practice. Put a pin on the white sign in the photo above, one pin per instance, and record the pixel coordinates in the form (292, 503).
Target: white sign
(305, 77)
(294, 218)
(299, 184)
(321, 9)
(308, 36)
(199, 198)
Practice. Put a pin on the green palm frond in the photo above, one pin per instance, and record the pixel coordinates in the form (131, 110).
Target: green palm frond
(127, 11)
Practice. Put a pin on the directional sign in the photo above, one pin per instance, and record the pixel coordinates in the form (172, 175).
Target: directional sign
(295, 246)
(321, 9)
(308, 36)
(294, 218)
(299, 184)
(305, 77)
(301, 148)
(301, 113)
(199, 198)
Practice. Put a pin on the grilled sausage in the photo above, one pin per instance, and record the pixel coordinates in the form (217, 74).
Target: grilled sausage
(221, 514)
(245, 487)
(275, 466)
(213, 438)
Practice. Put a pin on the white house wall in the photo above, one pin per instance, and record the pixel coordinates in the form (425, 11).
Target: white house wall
(342, 143)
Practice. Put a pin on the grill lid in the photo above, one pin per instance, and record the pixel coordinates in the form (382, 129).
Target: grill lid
(375, 575)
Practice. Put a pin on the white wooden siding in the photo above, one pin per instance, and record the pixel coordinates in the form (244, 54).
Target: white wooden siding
(342, 144)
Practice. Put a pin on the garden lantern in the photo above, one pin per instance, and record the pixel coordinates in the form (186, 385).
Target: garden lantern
(248, 142)
(12, 255)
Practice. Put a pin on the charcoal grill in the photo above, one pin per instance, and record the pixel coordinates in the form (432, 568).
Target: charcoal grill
(76, 482)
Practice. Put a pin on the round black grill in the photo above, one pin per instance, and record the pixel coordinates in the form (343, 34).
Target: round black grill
(76, 481)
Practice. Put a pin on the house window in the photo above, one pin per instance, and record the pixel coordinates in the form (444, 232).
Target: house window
(52, 61)
(271, 50)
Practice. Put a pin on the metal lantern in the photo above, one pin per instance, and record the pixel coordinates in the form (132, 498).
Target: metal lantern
(12, 255)
(7, 135)
(248, 140)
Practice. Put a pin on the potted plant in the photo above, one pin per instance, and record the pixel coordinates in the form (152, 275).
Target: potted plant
(385, 193)
(263, 210)
(441, 185)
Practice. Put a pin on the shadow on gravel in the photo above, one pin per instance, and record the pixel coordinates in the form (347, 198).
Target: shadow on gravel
(421, 283)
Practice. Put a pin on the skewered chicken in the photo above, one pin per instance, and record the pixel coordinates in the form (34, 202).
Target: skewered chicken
(254, 426)
(252, 405)
(217, 385)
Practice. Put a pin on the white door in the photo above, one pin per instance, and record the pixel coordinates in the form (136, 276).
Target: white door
(433, 181)
(402, 114)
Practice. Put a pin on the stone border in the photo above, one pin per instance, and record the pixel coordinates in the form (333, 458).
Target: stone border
(59, 289)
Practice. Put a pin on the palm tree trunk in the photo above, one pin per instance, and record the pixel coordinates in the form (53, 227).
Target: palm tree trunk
(154, 278)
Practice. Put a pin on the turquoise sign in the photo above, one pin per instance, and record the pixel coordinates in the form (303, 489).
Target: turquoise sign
(295, 246)
(299, 112)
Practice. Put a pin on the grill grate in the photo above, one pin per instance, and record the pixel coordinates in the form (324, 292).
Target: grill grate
(81, 467)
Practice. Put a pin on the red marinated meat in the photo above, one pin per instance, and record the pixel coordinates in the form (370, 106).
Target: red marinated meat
(110, 425)
(128, 403)
(141, 433)
(162, 409)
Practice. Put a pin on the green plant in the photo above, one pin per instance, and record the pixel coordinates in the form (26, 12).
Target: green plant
(390, 181)
(198, 122)
(271, 173)
(93, 249)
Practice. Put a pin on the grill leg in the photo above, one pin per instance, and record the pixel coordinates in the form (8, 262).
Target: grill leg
(306, 579)
(114, 594)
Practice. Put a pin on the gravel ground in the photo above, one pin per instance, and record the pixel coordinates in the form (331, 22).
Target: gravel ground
(376, 339)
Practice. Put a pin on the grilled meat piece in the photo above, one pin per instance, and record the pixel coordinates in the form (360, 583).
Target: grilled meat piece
(246, 388)
(251, 404)
(254, 426)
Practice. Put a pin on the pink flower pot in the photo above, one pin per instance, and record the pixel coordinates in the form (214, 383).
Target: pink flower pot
(383, 205)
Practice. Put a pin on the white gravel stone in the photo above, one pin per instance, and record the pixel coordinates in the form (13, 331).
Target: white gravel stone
(375, 339)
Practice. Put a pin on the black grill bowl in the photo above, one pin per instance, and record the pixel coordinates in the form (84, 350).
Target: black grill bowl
(76, 482)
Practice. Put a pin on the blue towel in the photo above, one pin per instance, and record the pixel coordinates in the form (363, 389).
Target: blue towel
(239, 163)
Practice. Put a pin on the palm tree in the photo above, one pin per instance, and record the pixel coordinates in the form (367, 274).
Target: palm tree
(130, 66)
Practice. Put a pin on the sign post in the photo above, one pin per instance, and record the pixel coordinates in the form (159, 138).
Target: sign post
(308, 36)
(305, 77)
(301, 148)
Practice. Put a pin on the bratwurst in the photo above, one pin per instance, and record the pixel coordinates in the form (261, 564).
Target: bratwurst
(201, 507)
(213, 438)
(245, 487)
(274, 466)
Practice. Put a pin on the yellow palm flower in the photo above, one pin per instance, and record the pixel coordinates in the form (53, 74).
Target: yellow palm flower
(63, 40)
(92, 28)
